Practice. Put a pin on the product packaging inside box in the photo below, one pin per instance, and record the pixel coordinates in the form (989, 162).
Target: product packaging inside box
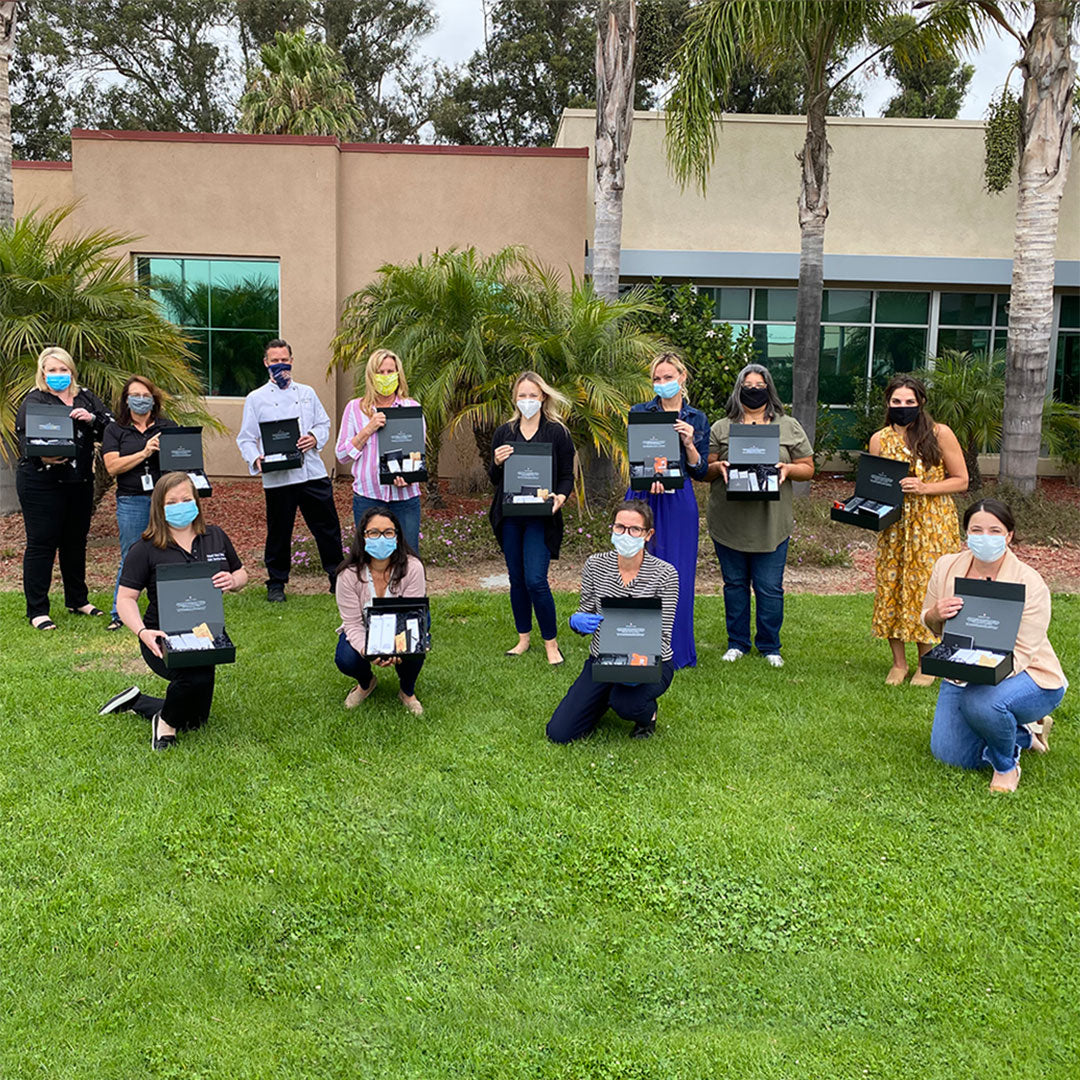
(181, 451)
(279, 439)
(654, 451)
(397, 626)
(878, 498)
(753, 457)
(402, 446)
(527, 481)
(631, 639)
(978, 641)
(191, 611)
(50, 431)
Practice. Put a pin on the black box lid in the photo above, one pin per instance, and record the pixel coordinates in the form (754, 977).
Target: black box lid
(181, 449)
(878, 478)
(632, 624)
(48, 421)
(991, 614)
(652, 435)
(403, 430)
(754, 444)
(187, 596)
(530, 465)
(280, 436)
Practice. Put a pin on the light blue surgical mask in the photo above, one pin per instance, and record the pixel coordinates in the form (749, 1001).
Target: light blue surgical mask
(180, 515)
(666, 389)
(58, 380)
(986, 547)
(626, 545)
(380, 547)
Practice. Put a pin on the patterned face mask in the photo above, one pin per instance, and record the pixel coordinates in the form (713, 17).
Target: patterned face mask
(385, 384)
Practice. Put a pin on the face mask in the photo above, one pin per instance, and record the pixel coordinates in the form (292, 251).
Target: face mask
(385, 384)
(528, 407)
(58, 380)
(986, 547)
(140, 404)
(666, 389)
(902, 415)
(281, 374)
(180, 515)
(380, 547)
(753, 397)
(626, 545)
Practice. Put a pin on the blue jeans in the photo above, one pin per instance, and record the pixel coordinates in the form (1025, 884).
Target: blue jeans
(765, 571)
(977, 725)
(132, 518)
(527, 562)
(407, 512)
(350, 662)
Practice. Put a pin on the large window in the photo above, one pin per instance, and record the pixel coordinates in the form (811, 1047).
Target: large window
(973, 322)
(1067, 366)
(229, 307)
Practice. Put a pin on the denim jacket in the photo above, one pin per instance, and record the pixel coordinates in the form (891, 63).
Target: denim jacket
(699, 422)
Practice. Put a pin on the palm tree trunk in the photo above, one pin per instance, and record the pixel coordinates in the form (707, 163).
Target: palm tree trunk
(616, 45)
(7, 42)
(1046, 134)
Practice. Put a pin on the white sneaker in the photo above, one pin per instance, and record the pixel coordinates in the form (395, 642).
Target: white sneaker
(732, 655)
(775, 659)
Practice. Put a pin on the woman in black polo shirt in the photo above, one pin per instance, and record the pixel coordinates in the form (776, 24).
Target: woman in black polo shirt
(177, 534)
(130, 453)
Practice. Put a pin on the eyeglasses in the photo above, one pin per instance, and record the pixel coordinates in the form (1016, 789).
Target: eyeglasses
(374, 534)
(635, 531)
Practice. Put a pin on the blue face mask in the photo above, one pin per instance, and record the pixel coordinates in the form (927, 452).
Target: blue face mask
(180, 515)
(986, 547)
(281, 374)
(58, 380)
(666, 389)
(140, 404)
(380, 547)
(626, 545)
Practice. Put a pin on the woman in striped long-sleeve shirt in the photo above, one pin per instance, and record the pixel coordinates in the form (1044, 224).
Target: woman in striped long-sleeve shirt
(627, 571)
(358, 445)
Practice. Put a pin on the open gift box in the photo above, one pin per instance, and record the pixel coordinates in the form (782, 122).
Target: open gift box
(753, 462)
(878, 500)
(50, 431)
(397, 626)
(402, 445)
(527, 478)
(181, 451)
(187, 599)
(631, 638)
(654, 450)
(279, 439)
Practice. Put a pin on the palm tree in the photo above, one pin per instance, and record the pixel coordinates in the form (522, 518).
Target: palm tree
(616, 47)
(8, 13)
(303, 89)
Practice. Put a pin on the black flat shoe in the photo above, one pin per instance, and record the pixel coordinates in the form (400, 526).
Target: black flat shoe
(644, 731)
(557, 663)
(45, 624)
(275, 594)
(92, 612)
(115, 624)
(162, 742)
(121, 702)
(514, 652)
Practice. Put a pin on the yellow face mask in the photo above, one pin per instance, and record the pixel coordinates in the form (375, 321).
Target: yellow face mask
(385, 384)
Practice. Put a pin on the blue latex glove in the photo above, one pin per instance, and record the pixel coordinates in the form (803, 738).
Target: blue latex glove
(583, 623)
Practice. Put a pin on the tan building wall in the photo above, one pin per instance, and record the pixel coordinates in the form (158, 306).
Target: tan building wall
(331, 214)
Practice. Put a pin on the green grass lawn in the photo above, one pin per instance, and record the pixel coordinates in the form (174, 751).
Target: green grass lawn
(782, 883)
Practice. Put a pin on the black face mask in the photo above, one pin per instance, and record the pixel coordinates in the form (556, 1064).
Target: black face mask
(753, 397)
(902, 415)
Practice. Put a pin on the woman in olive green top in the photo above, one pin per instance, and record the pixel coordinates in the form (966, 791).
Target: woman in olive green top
(751, 537)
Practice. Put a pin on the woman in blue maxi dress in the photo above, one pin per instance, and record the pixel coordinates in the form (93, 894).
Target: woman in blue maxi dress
(676, 512)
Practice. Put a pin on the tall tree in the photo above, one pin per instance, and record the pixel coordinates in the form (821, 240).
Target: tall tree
(929, 88)
(616, 45)
(8, 16)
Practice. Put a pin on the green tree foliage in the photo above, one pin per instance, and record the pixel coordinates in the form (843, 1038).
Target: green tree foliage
(300, 89)
(932, 87)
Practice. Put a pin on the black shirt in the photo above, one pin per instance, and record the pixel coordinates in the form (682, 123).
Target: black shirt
(127, 439)
(81, 467)
(143, 559)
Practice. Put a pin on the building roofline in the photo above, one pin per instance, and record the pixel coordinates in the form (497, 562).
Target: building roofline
(64, 166)
(781, 118)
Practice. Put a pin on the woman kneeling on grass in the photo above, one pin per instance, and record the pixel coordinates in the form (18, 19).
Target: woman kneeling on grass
(989, 725)
(380, 563)
(627, 571)
(177, 534)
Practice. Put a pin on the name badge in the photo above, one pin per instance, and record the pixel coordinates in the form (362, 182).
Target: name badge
(147, 482)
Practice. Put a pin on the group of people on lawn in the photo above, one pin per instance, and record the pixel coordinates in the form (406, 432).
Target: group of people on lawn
(653, 552)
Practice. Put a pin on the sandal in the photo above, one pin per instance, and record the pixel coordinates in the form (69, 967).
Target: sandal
(45, 624)
(115, 623)
(93, 611)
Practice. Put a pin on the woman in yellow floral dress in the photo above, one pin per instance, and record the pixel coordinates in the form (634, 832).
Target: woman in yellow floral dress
(928, 527)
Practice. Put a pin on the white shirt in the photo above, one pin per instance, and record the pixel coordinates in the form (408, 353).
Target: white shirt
(269, 403)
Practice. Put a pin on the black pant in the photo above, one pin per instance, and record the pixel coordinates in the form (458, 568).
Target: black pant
(586, 702)
(56, 518)
(350, 662)
(186, 704)
(315, 501)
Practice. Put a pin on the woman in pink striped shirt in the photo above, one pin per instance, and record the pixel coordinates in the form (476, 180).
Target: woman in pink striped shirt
(358, 445)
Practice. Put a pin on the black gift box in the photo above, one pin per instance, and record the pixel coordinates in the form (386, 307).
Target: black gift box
(403, 608)
(181, 451)
(279, 439)
(50, 431)
(188, 597)
(632, 626)
(402, 435)
(526, 471)
(877, 480)
(753, 449)
(989, 619)
(651, 435)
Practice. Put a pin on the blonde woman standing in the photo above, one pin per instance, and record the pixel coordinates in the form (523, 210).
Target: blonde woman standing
(385, 388)
(530, 543)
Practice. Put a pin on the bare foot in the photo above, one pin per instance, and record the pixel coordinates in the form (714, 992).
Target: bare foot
(1005, 782)
(896, 675)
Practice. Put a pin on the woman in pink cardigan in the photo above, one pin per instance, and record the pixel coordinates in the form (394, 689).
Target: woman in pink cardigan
(379, 563)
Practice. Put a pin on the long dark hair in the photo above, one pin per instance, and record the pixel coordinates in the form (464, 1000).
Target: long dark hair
(358, 556)
(920, 437)
(123, 410)
(992, 506)
(774, 407)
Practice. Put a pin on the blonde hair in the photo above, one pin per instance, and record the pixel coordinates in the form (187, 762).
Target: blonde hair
(158, 532)
(374, 362)
(675, 360)
(552, 405)
(54, 352)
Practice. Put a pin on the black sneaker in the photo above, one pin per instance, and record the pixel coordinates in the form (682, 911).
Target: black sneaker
(275, 593)
(644, 731)
(159, 742)
(121, 703)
